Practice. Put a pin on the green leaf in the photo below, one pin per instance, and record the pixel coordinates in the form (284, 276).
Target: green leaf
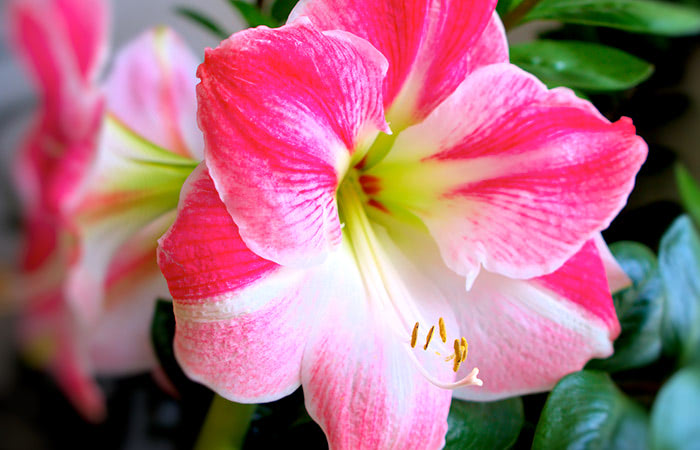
(586, 410)
(492, 425)
(690, 192)
(503, 6)
(641, 16)
(675, 415)
(679, 263)
(580, 65)
(281, 9)
(252, 15)
(639, 308)
(202, 20)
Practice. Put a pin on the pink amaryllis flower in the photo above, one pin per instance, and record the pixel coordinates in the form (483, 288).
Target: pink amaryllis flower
(99, 155)
(62, 43)
(379, 183)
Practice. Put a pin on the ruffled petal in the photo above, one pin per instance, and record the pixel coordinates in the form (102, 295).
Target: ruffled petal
(152, 91)
(520, 182)
(427, 43)
(132, 185)
(283, 113)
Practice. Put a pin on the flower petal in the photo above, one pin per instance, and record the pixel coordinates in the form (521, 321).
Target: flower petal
(51, 340)
(617, 278)
(131, 185)
(523, 335)
(520, 182)
(427, 43)
(360, 386)
(152, 91)
(241, 320)
(63, 42)
(120, 340)
(283, 112)
(526, 335)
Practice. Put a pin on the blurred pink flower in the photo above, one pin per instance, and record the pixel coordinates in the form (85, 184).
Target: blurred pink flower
(313, 241)
(76, 321)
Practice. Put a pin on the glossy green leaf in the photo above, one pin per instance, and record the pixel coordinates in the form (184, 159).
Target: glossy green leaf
(477, 425)
(641, 16)
(586, 410)
(281, 9)
(252, 15)
(690, 192)
(675, 415)
(639, 309)
(580, 65)
(679, 263)
(205, 22)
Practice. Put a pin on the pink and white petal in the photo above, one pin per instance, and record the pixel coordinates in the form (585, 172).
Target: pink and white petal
(427, 44)
(526, 335)
(77, 382)
(360, 384)
(152, 91)
(50, 340)
(491, 47)
(617, 278)
(520, 182)
(283, 111)
(523, 335)
(241, 320)
(120, 342)
(87, 27)
(63, 43)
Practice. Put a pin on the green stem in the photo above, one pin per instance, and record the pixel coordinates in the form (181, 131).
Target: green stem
(225, 426)
(513, 18)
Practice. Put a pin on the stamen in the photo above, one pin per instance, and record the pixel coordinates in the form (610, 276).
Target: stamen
(430, 336)
(458, 351)
(459, 356)
(414, 335)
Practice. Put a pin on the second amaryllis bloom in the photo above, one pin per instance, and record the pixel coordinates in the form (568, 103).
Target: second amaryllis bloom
(379, 182)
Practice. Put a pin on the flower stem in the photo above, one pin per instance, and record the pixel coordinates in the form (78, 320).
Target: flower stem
(225, 426)
(513, 18)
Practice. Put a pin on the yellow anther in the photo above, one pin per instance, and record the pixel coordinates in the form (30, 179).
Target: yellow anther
(430, 336)
(443, 332)
(455, 367)
(449, 358)
(414, 335)
(465, 347)
(458, 351)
